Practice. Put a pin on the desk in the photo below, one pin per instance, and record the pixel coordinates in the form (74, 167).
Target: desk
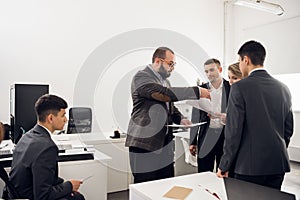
(119, 174)
(94, 188)
(155, 190)
(230, 189)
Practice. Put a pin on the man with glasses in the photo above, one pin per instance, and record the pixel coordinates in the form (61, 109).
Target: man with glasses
(151, 150)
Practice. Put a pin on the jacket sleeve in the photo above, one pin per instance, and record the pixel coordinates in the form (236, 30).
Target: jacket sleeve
(194, 130)
(289, 128)
(44, 172)
(176, 115)
(146, 87)
(234, 127)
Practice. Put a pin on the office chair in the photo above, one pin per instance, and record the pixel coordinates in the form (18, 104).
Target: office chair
(80, 120)
(9, 191)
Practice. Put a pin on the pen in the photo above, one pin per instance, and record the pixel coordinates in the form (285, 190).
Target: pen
(212, 193)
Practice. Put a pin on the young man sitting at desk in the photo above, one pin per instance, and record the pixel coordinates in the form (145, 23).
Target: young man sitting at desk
(34, 170)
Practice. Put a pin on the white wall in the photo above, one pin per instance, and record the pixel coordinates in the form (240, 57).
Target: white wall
(280, 36)
(52, 42)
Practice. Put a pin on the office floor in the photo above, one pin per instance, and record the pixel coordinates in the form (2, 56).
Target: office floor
(291, 181)
(290, 184)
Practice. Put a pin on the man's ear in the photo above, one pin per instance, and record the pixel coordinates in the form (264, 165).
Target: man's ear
(49, 118)
(220, 69)
(247, 60)
(157, 61)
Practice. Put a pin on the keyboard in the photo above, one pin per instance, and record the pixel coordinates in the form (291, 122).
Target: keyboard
(64, 146)
(5, 153)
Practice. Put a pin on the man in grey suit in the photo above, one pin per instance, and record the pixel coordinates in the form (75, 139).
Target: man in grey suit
(149, 138)
(34, 169)
(259, 123)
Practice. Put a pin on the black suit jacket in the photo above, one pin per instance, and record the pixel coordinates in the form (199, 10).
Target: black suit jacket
(197, 134)
(258, 127)
(153, 109)
(34, 170)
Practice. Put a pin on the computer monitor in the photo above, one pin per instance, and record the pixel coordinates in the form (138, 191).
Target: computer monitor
(22, 114)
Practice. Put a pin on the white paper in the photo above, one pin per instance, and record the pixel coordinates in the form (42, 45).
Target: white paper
(202, 104)
(186, 126)
(86, 178)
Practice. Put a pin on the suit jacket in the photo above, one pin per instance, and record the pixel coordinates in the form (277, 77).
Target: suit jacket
(258, 127)
(197, 134)
(34, 170)
(153, 109)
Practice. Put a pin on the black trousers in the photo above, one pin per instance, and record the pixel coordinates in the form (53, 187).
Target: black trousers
(273, 181)
(147, 165)
(207, 163)
(74, 196)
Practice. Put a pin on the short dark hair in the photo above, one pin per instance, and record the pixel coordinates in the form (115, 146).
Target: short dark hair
(254, 50)
(160, 52)
(212, 60)
(49, 104)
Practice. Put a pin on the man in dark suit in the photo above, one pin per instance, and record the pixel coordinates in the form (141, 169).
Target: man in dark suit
(149, 138)
(259, 123)
(34, 170)
(208, 139)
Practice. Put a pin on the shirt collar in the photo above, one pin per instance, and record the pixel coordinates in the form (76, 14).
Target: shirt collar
(257, 69)
(212, 87)
(45, 128)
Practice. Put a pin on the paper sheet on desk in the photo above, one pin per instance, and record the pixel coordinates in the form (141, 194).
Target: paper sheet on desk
(178, 192)
(214, 185)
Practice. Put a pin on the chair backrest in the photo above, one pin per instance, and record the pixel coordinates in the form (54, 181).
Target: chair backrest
(80, 120)
(9, 191)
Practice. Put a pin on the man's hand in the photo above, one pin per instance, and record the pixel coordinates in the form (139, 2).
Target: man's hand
(193, 149)
(185, 122)
(204, 93)
(221, 174)
(75, 184)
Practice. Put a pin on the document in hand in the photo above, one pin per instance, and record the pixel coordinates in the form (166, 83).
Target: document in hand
(202, 104)
(212, 106)
(186, 126)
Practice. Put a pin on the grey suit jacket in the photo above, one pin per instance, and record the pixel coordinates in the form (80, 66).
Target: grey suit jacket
(153, 109)
(34, 170)
(258, 127)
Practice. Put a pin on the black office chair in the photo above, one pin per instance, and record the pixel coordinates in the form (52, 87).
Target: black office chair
(80, 120)
(9, 191)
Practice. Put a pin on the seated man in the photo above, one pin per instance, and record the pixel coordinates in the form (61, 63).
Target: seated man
(34, 170)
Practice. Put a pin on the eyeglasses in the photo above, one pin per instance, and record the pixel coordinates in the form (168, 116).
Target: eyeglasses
(171, 63)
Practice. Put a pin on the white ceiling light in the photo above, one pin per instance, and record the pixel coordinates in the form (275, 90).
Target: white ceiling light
(261, 5)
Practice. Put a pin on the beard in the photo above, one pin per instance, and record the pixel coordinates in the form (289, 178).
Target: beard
(164, 73)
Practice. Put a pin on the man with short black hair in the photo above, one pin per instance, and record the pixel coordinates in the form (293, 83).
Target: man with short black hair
(34, 171)
(259, 123)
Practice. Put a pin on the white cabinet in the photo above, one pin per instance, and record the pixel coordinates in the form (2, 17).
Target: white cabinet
(119, 174)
